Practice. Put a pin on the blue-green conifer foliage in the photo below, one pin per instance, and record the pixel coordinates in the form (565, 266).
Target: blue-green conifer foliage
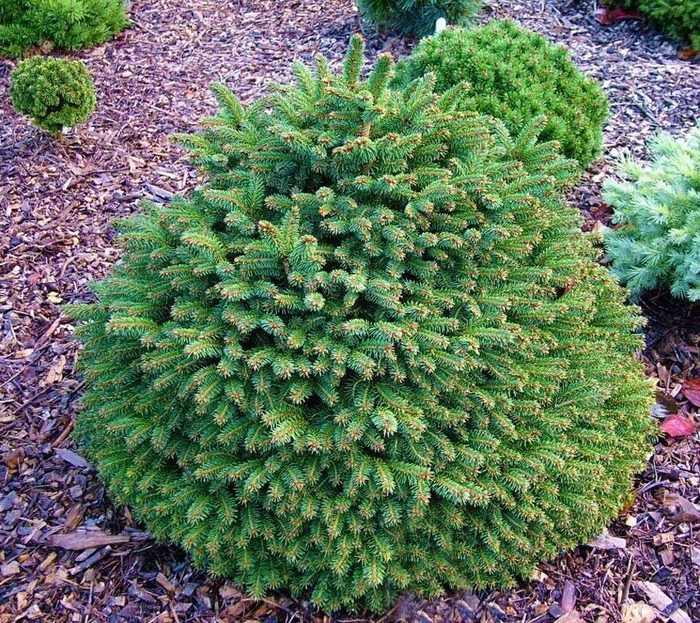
(373, 353)
(658, 209)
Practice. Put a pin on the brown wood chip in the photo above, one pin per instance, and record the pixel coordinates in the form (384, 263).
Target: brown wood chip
(664, 537)
(568, 596)
(570, 617)
(660, 600)
(71, 457)
(679, 509)
(165, 583)
(607, 541)
(11, 568)
(86, 540)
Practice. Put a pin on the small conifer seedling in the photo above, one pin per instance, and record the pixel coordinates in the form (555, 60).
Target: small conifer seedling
(658, 208)
(516, 75)
(373, 353)
(56, 93)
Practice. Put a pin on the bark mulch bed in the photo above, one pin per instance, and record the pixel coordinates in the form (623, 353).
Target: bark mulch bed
(67, 554)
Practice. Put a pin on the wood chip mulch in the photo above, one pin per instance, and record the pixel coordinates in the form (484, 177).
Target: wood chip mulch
(66, 553)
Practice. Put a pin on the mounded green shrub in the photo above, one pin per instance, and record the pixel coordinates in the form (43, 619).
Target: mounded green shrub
(372, 353)
(679, 19)
(658, 208)
(66, 24)
(516, 75)
(417, 17)
(54, 92)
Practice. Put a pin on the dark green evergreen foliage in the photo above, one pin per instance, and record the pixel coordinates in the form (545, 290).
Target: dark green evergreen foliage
(373, 353)
(515, 75)
(11, 10)
(679, 19)
(66, 24)
(54, 92)
(15, 38)
(658, 207)
(417, 17)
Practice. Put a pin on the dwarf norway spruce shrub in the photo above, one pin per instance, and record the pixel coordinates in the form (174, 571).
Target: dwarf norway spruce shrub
(658, 208)
(417, 17)
(65, 24)
(372, 353)
(54, 92)
(516, 75)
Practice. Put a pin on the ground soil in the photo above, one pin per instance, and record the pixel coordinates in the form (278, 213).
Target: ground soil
(66, 553)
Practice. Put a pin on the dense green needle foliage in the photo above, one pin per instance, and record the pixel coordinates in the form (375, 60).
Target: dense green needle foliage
(515, 75)
(372, 353)
(417, 17)
(658, 207)
(679, 19)
(65, 24)
(54, 92)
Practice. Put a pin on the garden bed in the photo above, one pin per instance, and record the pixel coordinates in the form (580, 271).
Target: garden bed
(67, 554)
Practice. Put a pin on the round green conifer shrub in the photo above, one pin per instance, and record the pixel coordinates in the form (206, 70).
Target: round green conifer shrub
(56, 93)
(679, 19)
(373, 353)
(658, 208)
(516, 75)
(65, 24)
(417, 17)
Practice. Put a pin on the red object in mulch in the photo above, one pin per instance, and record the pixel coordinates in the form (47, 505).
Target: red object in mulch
(691, 390)
(610, 16)
(689, 54)
(677, 426)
